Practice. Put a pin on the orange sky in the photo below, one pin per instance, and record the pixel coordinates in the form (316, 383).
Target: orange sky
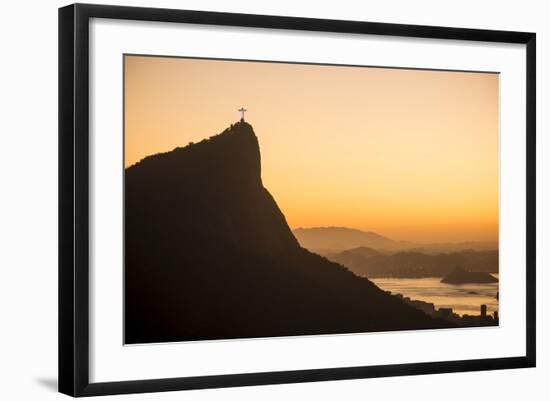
(407, 153)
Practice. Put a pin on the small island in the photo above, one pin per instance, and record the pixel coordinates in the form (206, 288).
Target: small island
(461, 276)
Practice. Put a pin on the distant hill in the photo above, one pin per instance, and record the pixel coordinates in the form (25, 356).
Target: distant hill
(209, 255)
(355, 259)
(371, 263)
(363, 252)
(333, 239)
(327, 240)
(447, 247)
(460, 276)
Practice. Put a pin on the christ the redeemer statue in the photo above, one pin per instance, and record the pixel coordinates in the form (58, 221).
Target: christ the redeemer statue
(242, 110)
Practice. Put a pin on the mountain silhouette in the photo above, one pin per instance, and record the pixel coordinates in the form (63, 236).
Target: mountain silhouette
(461, 276)
(333, 239)
(413, 264)
(327, 240)
(209, 255)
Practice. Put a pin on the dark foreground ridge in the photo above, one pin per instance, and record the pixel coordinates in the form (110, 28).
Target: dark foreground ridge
(209, 255)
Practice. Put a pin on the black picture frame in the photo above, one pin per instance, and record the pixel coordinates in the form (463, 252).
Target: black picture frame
(74, 191)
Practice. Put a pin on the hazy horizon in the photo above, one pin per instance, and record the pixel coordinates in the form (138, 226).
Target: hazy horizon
(411, 155)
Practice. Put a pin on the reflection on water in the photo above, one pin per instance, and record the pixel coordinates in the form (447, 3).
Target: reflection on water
(464, 299)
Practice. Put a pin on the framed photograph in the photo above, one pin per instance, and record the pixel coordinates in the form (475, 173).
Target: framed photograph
(250, 199)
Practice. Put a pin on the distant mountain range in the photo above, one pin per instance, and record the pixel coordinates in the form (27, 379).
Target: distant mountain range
(369, 262)
(333, 239)
(460, 276)
(329, 240)
(209, 255)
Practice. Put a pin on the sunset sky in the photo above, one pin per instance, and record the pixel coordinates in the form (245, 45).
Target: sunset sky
(409, 154)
